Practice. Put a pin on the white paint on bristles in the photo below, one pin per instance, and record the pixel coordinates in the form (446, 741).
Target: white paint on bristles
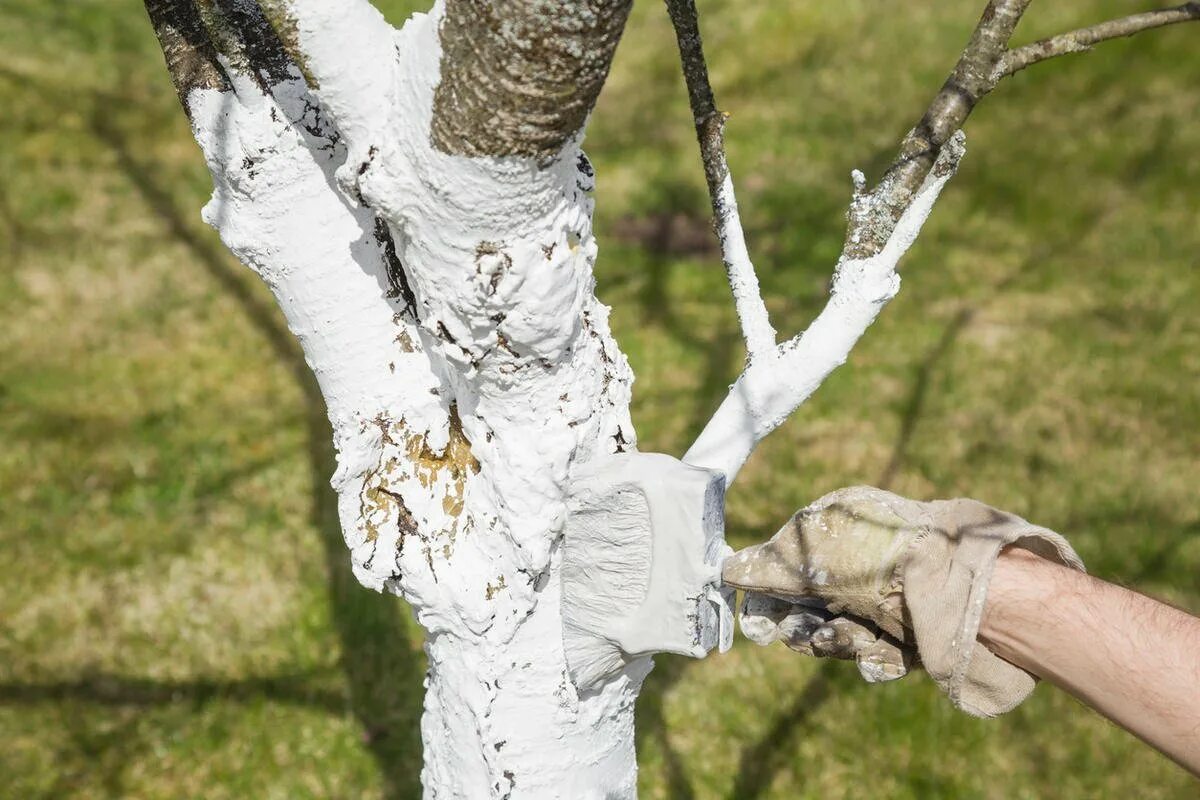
(642, 561)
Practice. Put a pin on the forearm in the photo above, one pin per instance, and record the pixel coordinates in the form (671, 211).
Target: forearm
(1132, 659)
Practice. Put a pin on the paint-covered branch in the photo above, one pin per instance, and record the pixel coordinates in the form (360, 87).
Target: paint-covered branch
(710, 131)
(272, 153)
(1083, 39)
(770, 389)
(882, 224)
(345, 50)
(883, 221)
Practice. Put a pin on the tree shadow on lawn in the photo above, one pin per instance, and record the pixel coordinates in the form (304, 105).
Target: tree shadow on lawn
(760, 760)
(383, 671)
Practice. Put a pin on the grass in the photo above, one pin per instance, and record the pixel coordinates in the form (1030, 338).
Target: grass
(161, 436)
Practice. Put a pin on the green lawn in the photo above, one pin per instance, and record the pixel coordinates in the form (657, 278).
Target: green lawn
(159, 435)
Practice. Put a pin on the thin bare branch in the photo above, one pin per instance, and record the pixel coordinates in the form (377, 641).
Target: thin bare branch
(1083, 39)
(710, 131)
(971, 79)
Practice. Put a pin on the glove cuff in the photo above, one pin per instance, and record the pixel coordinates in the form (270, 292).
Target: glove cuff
(946, 573)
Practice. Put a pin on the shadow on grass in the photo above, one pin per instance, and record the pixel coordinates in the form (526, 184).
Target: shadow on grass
(124, 691)
(383, 671)
(759, 762)
(651, 723)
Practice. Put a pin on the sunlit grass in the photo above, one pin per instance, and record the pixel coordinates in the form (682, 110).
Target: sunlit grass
(177, 618)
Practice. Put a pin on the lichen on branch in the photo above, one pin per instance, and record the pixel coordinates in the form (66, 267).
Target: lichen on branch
(518, 78)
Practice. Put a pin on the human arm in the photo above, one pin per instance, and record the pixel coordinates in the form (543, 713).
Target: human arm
(1134, 660)
(868, 575)
(980, 598)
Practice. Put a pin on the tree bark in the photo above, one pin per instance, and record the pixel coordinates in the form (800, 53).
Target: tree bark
(445, 304)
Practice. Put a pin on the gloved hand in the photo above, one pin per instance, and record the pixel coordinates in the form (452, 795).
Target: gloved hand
(869, 575)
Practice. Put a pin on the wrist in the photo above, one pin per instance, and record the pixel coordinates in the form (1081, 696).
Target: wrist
(1022, 594)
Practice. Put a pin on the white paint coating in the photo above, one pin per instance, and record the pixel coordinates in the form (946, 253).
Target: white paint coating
(643, 549)
(772, 387)
(458, 429)
(743, 282)
(458, 512)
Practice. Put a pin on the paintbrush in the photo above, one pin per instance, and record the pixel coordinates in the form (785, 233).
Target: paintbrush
(642, 551)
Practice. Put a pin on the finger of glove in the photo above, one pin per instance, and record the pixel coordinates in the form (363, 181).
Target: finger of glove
(765, 619)
(759, 616)
(797, 628)
(843, 637)
(883, 660)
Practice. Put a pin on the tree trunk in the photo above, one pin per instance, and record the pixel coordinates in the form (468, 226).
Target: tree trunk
(437, 269)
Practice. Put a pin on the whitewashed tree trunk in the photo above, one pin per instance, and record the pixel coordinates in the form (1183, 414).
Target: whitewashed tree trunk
(457, 418)
(419, 205)
(445, 302)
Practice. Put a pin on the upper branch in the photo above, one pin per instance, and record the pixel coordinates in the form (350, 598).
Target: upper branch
(1082, 39)
(710, 131)
(345, 51)
(191, 58)
(971, 79)
(883, 223)
(519, 78)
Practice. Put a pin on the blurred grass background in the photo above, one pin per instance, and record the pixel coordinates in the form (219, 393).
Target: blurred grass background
(160, 435)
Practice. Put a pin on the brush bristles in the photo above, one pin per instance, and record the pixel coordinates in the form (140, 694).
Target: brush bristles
(606, 572)
(641, 562)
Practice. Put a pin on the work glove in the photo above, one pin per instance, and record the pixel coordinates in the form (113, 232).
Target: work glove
(868, 575)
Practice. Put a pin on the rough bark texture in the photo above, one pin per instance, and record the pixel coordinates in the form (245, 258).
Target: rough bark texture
(240, 32)
(519, 77)
(1083, 39)
(191, 58)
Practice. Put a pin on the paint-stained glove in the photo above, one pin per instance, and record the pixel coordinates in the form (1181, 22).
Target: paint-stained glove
(869, 575)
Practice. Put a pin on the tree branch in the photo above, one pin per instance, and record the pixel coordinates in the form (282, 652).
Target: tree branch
(239, 32)
(883, 223)
(770, 389)
(1082, 39)
(345, 50)
(191, 59)
(710, 131)
(519, 78)
(874, 215)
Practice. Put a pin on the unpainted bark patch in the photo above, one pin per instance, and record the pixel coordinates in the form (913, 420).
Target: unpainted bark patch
(519, 78)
